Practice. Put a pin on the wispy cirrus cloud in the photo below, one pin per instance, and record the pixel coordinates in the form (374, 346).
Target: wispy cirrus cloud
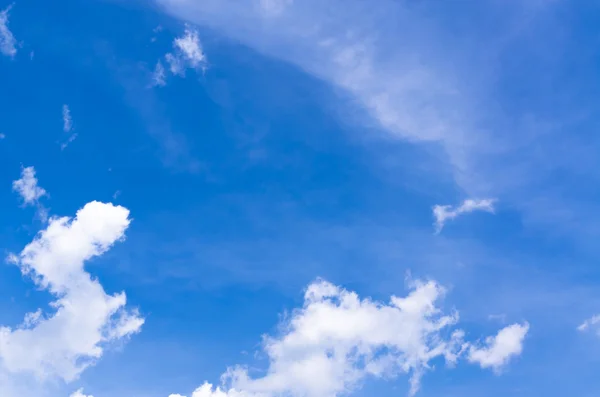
(444, 213)
(67, 126)
(8, 43)
(336, 340)
(67, 119)
(424, 77)
(159, 75)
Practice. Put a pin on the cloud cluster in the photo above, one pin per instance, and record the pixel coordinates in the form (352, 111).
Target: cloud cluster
(8, 43)
(444, 213)
(336, 340)
(62, 344)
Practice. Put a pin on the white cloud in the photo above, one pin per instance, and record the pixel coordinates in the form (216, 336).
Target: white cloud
(85, 319)
(591, 323)
(79, 393)
(444, 213)
(27, 186)
(8, 44)
(67, 120)
(187, 53)
(336, 340)
(499, 349)
(158, 77)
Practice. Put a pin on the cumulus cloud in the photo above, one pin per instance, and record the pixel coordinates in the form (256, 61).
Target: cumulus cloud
(444, 213)
(61, 344)
(591, 323)
(336, 340)
(188, 53)
(499, 349)
(27, 186)
(8, 43)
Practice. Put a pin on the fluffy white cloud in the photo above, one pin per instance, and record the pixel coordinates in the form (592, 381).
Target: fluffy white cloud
(336, 340)
(27, 186)
(63, 343)
(499, 349)
(443, 213)
(8, 44)
(187, 53)
(591, 323)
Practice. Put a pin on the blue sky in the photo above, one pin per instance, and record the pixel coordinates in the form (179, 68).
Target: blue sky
(300, 198)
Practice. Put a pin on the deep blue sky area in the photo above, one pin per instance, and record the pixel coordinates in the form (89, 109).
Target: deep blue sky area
(440, 152)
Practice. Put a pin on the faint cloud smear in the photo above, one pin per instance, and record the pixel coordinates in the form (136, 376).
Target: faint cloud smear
(64, 145)
(67, 126)
(85, 319)
(591, 323)
(501, 348)
(2, 136)
(444, 213)
(8, 44)
(336, 340)
(27, 187)
(156, 30)
(274, 7)
(187, 53)
(158, 76)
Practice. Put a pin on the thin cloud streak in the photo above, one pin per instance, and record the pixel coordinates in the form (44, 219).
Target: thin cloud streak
(444, 213)
(8, 43)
